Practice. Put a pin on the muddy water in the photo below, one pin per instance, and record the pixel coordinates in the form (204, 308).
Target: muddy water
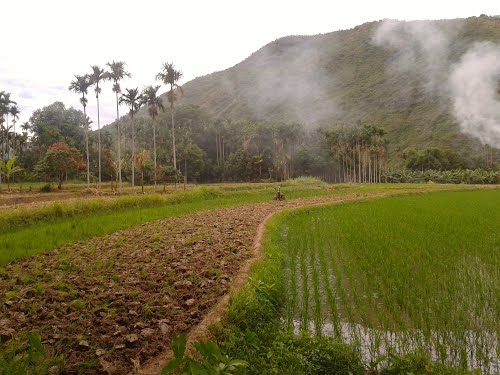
(471, 350)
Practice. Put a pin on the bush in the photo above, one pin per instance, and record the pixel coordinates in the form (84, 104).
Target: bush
(456, 176)
(47, 188)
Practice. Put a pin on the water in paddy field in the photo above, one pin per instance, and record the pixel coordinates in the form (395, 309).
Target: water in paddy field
(470, 350)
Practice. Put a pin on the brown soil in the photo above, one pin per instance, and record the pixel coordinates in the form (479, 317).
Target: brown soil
(111, 304)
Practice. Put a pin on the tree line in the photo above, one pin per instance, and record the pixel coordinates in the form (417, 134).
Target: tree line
(133, 99)
(160, 142)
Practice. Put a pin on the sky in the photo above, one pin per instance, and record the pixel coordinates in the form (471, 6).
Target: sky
(47, 42)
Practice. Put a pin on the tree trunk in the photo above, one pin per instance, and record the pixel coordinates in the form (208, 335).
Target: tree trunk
(87, 144)
(369, 169)
(7, 150)
(14, 127)
(133, 154)
(380, 170)
(154, 149)
(353, 155)
(223, 156)
(2, 155)
(98, 138)
(358, 147)
(344, 166)
(185, 173)
(119, 144)
(173, 128)
(217, 145)
(173, 139)
(338, 166)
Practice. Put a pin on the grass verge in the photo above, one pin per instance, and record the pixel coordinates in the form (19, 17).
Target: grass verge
(27, 232)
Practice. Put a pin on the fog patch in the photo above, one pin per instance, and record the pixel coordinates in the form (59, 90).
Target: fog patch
(286, 76)
(422, 47)
(475, 85)
(471, 86)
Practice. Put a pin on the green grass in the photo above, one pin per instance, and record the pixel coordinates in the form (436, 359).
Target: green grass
(256, 329)
(34, 230)
(412, 274)
(31, 231)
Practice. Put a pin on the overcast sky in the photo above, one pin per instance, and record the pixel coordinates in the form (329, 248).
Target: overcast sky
(47, 42)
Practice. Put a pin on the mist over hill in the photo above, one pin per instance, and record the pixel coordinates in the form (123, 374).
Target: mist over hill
(427, 83)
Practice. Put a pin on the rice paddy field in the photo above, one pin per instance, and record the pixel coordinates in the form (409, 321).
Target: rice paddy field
(406, 274)
(100, 284)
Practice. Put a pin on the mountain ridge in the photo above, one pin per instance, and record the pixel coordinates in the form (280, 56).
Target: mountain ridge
(345, 77)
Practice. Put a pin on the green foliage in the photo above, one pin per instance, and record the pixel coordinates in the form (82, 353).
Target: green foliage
(243, 166)
(458, 176)
(56, 123)
(417, 365)
(432, 158)
(47, 188)
(26, 355)
(211, 361)
(8, 169)
(59, 160)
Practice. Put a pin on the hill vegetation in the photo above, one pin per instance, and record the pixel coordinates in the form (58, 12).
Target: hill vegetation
(356, 105)
(345, 77)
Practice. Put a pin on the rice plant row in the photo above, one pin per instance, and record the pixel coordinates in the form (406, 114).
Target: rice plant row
(404, 274)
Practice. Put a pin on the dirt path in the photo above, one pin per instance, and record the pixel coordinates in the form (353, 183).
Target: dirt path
(112, 303)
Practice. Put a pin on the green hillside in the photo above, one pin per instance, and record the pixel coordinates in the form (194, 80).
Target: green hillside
(345, 77)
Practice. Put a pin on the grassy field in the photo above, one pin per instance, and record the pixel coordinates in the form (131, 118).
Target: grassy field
(31, 230)
(405, 274)
(307, 299)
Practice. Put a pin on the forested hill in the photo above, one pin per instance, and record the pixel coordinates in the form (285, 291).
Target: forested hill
(402, 76)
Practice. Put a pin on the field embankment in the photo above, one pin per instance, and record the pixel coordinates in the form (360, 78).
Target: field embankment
(31, 230)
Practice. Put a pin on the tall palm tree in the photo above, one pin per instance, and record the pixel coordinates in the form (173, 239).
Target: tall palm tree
(116, 74)
(169, 76)
(14, 112)
(5, 106)
(154, 104)
(98, 75)
(80, 85)
(133, 100)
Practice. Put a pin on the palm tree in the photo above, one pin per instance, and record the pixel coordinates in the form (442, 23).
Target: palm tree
(133, 100)
(154, 103)
(5, 103)
(80, 85)
(169, 76)
(14, 112)
(5, 107)
(116, 74)
(96, 77)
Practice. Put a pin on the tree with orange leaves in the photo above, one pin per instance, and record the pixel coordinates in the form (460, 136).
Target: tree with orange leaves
(59, 160)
